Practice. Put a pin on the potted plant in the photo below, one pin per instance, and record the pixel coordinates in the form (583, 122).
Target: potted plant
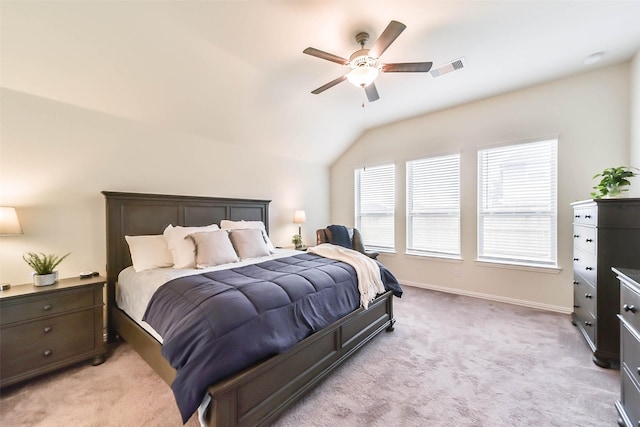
(612, 182)
(297, 240)
(43, 267)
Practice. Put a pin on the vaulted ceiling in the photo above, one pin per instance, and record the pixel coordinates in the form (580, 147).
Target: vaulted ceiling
(234, 71)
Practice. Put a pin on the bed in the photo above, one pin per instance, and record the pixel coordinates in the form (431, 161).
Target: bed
(258, 394)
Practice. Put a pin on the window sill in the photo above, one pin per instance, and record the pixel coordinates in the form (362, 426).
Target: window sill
(445, 258)
(551, 269)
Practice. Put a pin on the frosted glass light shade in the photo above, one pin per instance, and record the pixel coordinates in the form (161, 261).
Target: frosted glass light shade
(362, 76)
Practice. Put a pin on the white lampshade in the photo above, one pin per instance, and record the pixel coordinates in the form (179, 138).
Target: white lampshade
(9, 223)
(362, 76)
(299, 217)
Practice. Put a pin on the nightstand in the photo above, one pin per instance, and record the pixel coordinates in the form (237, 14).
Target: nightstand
(50, 327)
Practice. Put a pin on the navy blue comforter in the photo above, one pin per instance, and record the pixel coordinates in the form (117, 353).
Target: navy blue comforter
(215, 324)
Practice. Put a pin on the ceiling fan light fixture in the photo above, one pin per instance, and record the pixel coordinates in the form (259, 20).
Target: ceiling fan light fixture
(363, 76)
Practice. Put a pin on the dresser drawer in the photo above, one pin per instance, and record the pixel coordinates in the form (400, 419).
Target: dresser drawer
(630, 398)
(585, 265)
(630, 305)
(584, 238)
(586, 215)
(630, 352)
(584, 296)
(45, 342)
(34, 307)
(587, 322)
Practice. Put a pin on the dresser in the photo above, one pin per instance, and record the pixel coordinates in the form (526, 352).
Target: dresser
(49, 327)
(629, 404)
(606, 233)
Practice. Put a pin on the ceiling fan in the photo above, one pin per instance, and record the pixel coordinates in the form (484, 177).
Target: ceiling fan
(364, 62)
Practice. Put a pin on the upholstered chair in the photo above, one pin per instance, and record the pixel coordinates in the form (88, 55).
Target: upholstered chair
(323, 235)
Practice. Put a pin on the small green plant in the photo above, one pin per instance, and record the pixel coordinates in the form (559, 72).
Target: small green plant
(612, 180)
(297, 240)
(41, 263)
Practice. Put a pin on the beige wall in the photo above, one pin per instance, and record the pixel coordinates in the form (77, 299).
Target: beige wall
(635, 122)
(589, 113)
(56, 158)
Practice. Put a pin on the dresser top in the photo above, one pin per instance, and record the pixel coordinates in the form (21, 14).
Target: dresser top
(605, 201)
(30, 289)
(629, 274)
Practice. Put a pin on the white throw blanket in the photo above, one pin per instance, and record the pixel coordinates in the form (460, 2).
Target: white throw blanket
(367, 270)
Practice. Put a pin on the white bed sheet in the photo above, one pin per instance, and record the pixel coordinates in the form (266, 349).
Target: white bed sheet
(135, 289)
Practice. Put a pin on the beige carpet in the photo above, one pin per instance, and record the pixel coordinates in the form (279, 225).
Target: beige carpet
(452, 361)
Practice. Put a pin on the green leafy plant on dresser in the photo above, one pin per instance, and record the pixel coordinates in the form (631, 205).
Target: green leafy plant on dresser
(613, 181)
(43, 267)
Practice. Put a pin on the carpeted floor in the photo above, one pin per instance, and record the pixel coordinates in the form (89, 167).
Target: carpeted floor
(451, 361)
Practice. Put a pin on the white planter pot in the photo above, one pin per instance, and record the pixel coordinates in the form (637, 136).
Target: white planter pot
(45, 279)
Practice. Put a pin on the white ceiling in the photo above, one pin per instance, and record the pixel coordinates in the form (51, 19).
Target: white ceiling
(234, 71)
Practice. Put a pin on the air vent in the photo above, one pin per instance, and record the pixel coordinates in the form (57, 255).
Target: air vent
(457, 64)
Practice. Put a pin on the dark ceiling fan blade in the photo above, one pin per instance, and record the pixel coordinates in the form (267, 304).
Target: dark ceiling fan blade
(407, 67)
(387, 37)
(329, 85)
(372, 92)
(324, 55)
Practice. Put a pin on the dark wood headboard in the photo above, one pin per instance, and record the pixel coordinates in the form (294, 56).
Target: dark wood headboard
(138, 213)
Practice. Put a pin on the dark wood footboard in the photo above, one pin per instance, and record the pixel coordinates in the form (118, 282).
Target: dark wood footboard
(259, 394)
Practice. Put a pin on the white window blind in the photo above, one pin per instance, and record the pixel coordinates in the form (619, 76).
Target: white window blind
(517, 203)
(375, 203)
(433, 206)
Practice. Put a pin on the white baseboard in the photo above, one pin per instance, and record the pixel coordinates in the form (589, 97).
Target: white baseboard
(524, 303)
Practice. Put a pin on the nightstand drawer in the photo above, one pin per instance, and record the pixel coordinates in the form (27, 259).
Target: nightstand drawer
(587, 322)
(39, 306)
(45, 342)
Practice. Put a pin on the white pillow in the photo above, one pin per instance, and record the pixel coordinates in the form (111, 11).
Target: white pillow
(226, 224)
(183, 250)
(249, 243)
(149, 252)
(213, 248)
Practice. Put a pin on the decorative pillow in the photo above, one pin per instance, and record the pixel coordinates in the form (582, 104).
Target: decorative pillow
(249, 243)
(183, 250)
(226, 224)
(213, 248)
(149, 252)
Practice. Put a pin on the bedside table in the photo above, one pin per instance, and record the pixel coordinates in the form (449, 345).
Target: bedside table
(50, 327)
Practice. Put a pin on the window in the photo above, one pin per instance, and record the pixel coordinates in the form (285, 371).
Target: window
(375, 202)
(517, 207)
(433, 206)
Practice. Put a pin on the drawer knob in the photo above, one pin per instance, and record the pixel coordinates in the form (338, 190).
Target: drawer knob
(588, 296)
(632, 308)
(575, 282)
(576, 306)
(575, 236)
(46, 353)
(576, 259)
(47, 329)
(47, 307)
(577, 216)
(589, 240)
(589, 268)
(587, 216)
(586, 322)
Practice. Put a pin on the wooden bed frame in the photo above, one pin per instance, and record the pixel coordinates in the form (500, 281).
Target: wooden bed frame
(256, 395)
